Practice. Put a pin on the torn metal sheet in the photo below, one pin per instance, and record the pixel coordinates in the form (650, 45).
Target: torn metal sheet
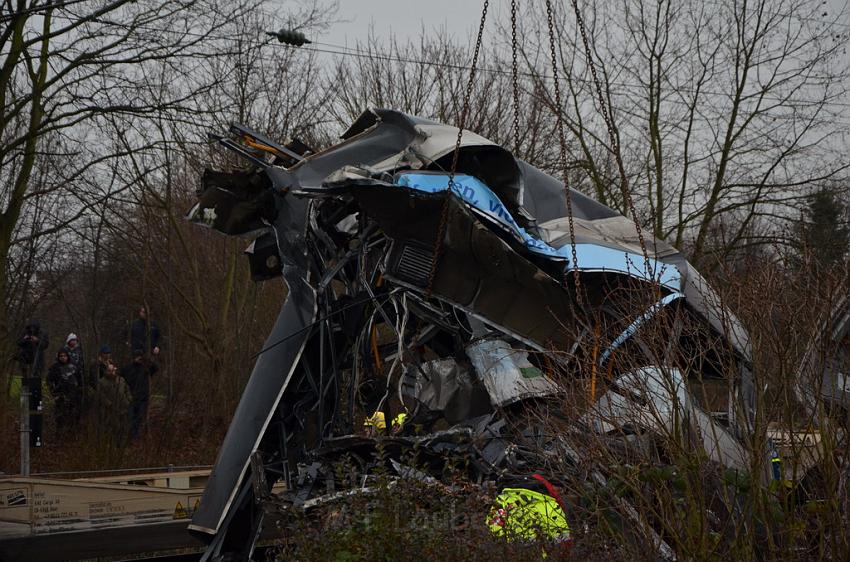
(261, 396)
(650, 398)
(636, 325)
(590, 257)
(507, 373)
(443, 386)
(657, 400)
(444, 300)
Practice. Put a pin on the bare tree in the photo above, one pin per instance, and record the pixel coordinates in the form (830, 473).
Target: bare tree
(197, 281)
(726, 112)
(71, 69)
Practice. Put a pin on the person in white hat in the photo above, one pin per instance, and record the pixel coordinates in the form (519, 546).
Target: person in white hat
(75, 354)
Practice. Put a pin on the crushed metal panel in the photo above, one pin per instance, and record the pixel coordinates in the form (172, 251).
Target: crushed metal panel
(718, 444)
(707, 303)
(264, 258)
(650, 398)
(235, 203)
(657, 400)
(507, 373)
(824, 372)
(613, 232)
(444, 386)
(478, 270)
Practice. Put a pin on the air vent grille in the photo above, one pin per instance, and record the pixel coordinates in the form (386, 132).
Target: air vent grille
(413, 264)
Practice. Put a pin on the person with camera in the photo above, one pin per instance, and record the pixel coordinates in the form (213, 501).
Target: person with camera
(31, 348)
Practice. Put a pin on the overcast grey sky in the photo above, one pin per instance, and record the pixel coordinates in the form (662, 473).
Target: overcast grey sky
(406, 18)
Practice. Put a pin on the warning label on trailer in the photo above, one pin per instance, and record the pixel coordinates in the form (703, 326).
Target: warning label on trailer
(13, 498)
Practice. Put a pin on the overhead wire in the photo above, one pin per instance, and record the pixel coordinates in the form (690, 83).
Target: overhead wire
(534, 75)
(347, 51)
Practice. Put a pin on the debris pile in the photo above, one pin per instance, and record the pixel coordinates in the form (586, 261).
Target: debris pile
(444, 298)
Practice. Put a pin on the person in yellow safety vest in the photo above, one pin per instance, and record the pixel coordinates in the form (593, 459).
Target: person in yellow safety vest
(377, 423)
(777, 480)
(398, 423)
(776, 465)
(520, 513)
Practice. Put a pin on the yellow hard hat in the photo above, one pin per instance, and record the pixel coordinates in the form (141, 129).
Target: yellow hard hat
(376, 420)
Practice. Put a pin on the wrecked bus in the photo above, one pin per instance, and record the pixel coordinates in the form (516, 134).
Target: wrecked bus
(460, 291)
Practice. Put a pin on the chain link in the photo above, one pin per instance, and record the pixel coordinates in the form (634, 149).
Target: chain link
(563, 153)
(515, 78)
(444, 215)
(613, 135)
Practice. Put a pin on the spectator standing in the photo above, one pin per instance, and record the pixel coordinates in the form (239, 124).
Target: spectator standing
(31, 348)
(64, 384)
(113, 403)
(138, 376)
(75, 354)
(144, 334)
(99, 369)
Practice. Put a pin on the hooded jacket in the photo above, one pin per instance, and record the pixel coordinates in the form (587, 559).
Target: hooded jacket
(64, 380)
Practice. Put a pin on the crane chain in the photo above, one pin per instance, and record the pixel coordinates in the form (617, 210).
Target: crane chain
(563, 153)
(613, 136)
(444, 215)
(515, 78)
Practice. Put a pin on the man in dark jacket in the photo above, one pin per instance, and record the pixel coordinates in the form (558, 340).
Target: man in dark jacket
(31, 348)
(144, 334)
(138, 376)
(67, 396)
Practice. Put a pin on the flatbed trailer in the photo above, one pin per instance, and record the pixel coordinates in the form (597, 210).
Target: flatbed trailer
(149, 541)
(130, 516)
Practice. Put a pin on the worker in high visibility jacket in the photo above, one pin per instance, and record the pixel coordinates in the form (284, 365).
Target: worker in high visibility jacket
(777, 480)
(398, 423)
(377, 423)
(776, 464)
(520, 513)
